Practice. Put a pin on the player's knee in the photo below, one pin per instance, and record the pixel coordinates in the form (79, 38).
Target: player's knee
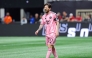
(52, 46)
(49, 47)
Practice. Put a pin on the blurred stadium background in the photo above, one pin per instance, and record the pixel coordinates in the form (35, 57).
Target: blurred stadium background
(19, 19)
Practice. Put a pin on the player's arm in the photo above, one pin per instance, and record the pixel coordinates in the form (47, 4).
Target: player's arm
(40, 27)
(57, 28)
(57, 25)
(41, 24)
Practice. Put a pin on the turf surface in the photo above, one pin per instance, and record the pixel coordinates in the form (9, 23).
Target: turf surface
(34, 47)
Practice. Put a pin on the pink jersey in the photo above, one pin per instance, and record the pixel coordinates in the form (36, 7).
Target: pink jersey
(49, 20)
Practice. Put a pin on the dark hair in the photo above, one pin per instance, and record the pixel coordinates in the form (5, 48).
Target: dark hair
(48, 4)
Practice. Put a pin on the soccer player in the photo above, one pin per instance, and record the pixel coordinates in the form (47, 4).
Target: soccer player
(51, 23)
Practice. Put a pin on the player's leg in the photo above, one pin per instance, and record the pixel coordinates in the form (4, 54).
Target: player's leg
(53, 43)
(49, 51)
(54, 52)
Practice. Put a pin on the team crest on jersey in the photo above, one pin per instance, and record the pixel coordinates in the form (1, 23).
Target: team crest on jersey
(50, 17)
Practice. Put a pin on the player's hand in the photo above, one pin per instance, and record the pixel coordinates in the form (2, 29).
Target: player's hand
(57, 34)
(36, 32)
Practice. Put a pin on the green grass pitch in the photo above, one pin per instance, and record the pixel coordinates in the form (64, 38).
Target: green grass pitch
(34, 47)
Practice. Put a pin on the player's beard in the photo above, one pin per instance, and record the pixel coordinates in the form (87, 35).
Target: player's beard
(46, 11)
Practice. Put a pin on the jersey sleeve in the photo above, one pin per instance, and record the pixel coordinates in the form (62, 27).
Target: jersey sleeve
(56, 17)
(42, 22)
